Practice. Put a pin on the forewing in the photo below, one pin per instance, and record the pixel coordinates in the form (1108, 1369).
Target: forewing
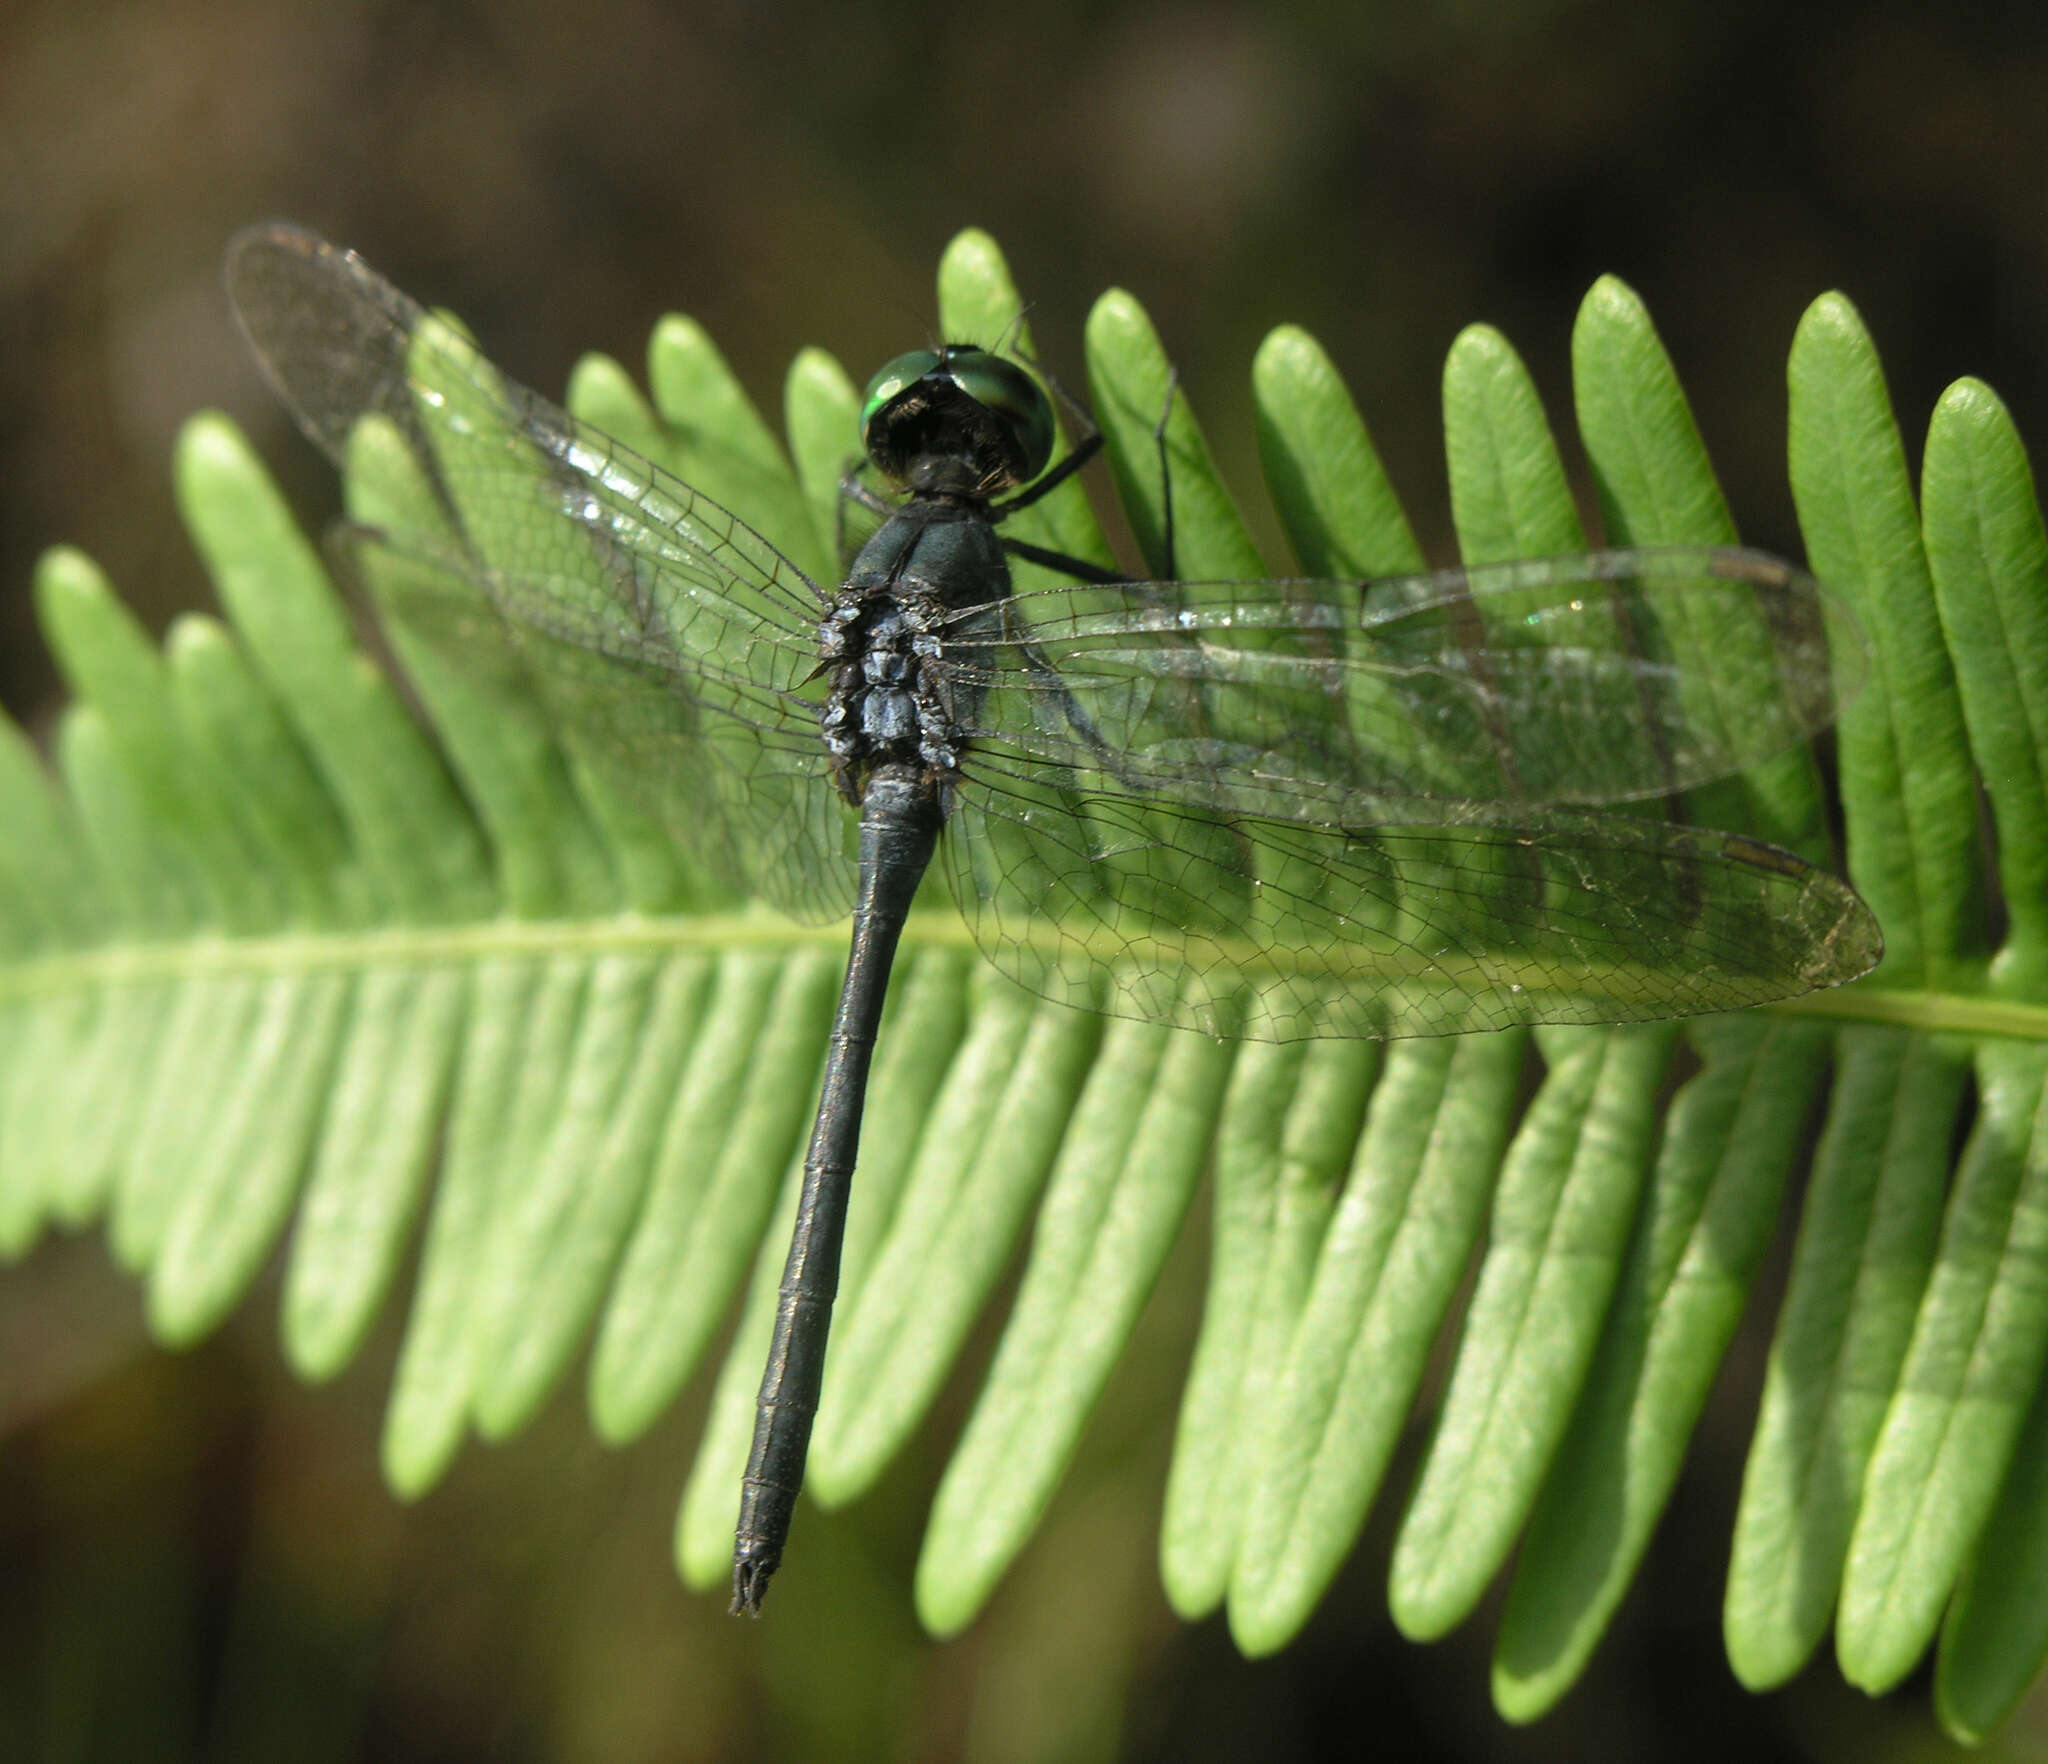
(1604, 678)
(670, 643)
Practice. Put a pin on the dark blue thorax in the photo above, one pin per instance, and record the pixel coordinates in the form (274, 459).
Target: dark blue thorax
(896, 694)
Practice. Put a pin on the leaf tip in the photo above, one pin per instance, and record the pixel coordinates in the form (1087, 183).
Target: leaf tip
(1289, 355)
(974, 276)
(1830, 319)
(1118, 323)
(1610, 287)
(681, 333)
(943, 1604)
(816, 373)
(598, 380)
(1969, 404)
(79, 611)
(1257, 1628)
(1479, 350)
(64, 570)
(212, 444)
(1610, 305)
(973, 251)
(196, 640)
(1519, 1699)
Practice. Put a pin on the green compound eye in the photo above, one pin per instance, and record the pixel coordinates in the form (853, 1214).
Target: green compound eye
(1006, 389)
(1010, 397)
(905, 370)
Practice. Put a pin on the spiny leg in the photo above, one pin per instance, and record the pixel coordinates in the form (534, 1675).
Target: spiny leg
(851, 489)
(1170, 561)
(1087, 444)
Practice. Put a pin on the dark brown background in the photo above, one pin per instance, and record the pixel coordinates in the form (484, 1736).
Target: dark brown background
(195, 1557)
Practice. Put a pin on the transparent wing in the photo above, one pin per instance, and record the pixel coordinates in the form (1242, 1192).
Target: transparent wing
(1244, 808)
(1602, 678)
(1396, 916)
(654, 624)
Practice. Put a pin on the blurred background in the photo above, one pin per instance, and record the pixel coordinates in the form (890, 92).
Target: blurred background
(196, 1557)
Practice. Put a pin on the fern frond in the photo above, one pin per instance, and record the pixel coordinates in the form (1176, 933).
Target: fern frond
(279, 959)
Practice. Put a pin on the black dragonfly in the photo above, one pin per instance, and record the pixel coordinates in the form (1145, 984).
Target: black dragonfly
(1258, 809)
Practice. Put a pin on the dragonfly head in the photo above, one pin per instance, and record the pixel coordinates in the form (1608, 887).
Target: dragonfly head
(956, 420)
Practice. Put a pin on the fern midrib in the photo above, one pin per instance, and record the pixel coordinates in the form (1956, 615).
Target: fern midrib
(437, 946)
(453, 945)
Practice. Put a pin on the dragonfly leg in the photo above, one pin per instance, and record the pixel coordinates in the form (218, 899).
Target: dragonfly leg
(1169, 562)
(1082, 452)
(1078, 568)
(851, 489)
(1083, 417)
(1085, 449)
(1087, 444)
(1040, 666)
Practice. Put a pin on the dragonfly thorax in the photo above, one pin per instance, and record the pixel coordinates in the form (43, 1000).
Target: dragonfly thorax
(894, 695)
(885, 704)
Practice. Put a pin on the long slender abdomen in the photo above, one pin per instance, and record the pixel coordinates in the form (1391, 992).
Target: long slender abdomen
(899, 828)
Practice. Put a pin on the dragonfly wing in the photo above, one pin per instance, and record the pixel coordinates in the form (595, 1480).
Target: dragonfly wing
(669, 642)
(1397, 917)
(1609, 677)
(739, 802)
(1231, 807)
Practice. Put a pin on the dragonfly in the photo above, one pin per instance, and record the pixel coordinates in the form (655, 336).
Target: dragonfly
(1254, 809)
